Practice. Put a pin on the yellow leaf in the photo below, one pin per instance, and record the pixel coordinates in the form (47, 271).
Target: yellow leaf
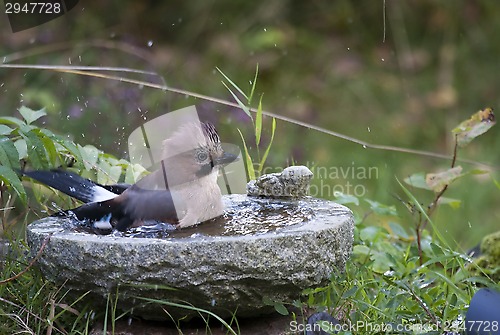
(438, 181)
(478, 124)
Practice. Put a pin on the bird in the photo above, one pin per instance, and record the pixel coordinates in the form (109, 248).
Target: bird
(183, 191)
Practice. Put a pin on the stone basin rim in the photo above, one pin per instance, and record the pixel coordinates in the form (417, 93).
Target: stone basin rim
(299, 229)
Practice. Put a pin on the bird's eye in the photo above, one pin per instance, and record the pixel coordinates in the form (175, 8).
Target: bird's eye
(201, 156)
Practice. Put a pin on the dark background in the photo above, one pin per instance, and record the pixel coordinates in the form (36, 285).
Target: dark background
(400, 73)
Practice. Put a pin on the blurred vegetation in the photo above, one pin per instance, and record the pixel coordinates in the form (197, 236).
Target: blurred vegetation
(398, 73)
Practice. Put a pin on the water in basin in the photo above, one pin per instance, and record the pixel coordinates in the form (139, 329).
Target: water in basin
(242, 216)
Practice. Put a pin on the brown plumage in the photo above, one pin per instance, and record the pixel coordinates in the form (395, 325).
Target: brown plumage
(183, 191)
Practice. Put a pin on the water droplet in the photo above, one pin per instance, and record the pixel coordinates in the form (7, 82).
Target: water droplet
(348, 49)
(265, 29)
(383, 59)
(150, 44)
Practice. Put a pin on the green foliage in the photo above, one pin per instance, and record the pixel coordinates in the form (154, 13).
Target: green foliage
(464, 133)
(25, 145)
(391, 281)
(254, 169)
(384, 284)
(31, 305)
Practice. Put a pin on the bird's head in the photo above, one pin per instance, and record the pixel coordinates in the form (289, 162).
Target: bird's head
(195, 151)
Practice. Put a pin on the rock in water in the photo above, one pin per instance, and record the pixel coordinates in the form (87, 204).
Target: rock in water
(291, 182)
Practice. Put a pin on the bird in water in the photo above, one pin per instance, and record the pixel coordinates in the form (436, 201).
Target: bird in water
(183, 191)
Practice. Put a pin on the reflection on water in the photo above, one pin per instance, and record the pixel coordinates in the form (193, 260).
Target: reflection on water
(242, 216)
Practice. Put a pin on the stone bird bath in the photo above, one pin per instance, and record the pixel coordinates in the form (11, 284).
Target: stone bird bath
(262, 250)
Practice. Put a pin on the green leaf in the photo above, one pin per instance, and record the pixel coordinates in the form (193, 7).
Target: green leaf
(476, 125)
(453, 203)
(10, 178)
(438, 181)
(382, 209)
(89, 154)
(70, 146)
(478, 171)
(254, 83)
(381, 263)
(232, 84)
(241, 104)
(417, 180)
(11, 120)
(370, 233)
(134, 172)
(50, 147)
(350, 292)
(497, 183)
(266, 153)
(35, 148)
(30, 115)
(343, 199)
(280, 308)
(248, 159)
(5, 130)
(9, 156)
(107, 173)
(258, 122)
(398, 230)
(360, 251)
(21, 148)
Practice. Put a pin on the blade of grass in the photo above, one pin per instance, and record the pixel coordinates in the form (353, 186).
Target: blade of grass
(232, 84)
(254, 83)
(264, 157)
(240, 104)
(250, 168)
(258, 122)
(191, 308)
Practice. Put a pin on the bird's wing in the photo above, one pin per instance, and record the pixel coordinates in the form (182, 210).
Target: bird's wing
(131, 208)
(75, 186)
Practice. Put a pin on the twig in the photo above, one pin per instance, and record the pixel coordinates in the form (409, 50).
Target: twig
(86, 72)
(433, 204)
(44, 244)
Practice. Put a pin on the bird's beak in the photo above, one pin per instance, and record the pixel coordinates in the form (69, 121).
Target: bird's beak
(230, 154)
(226, 158)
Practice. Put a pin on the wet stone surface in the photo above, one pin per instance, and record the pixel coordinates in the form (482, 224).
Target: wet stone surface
(263, 249)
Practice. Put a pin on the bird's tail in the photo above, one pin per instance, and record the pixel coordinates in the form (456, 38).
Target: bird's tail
(75, 186)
